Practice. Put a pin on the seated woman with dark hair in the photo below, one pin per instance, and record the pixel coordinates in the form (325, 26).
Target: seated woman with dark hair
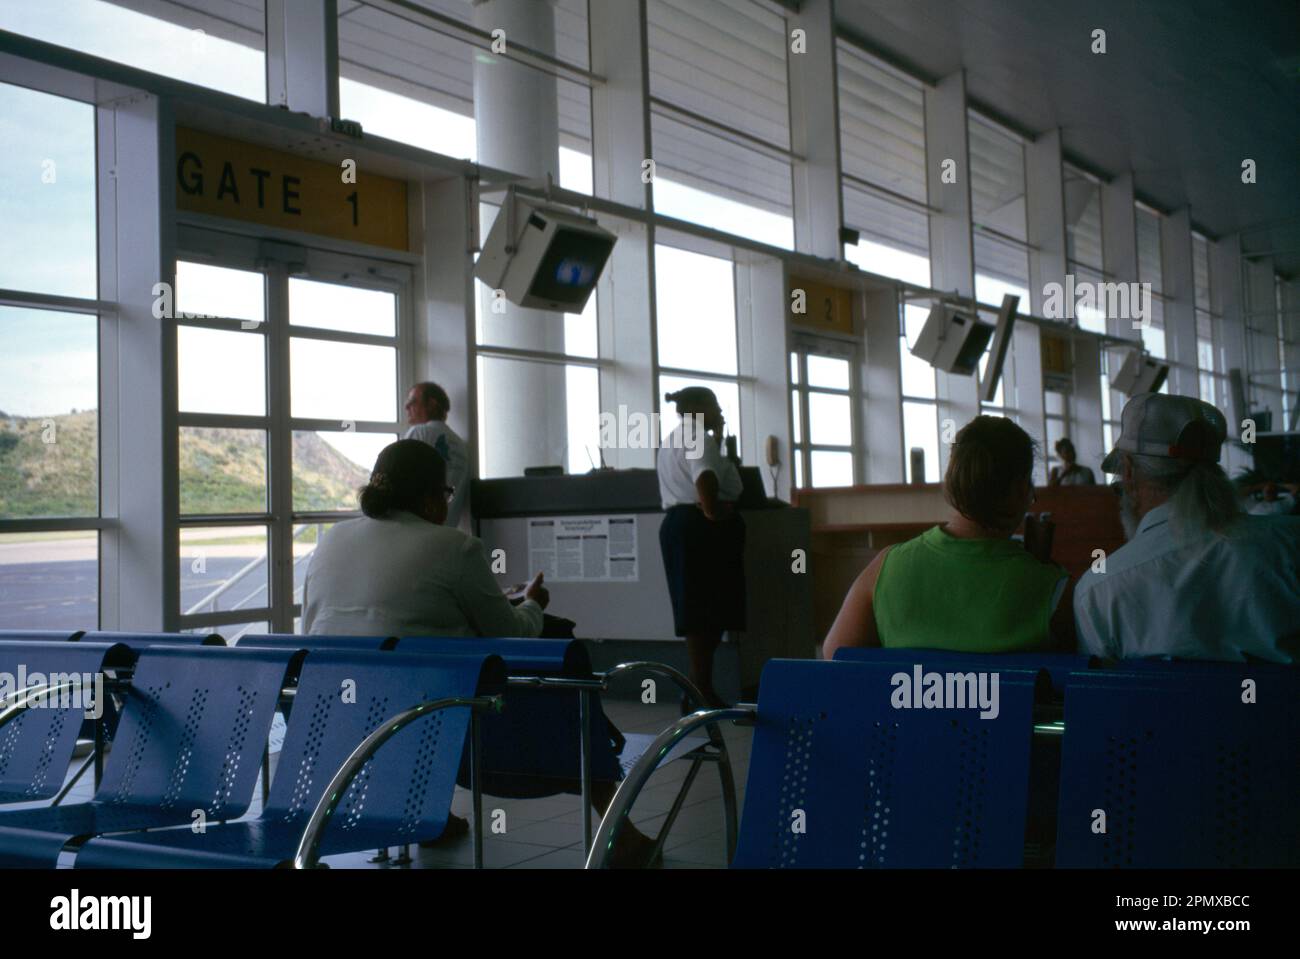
(966, 585)
(397, 571)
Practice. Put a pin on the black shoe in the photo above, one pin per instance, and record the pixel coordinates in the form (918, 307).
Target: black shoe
(455, 829)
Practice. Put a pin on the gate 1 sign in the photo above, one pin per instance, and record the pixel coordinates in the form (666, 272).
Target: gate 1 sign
(244, 181)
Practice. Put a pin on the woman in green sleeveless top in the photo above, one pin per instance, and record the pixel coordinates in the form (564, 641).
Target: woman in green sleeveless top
(966, 585)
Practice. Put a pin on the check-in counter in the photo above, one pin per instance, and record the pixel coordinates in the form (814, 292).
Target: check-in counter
(596, 536)
(851, 524)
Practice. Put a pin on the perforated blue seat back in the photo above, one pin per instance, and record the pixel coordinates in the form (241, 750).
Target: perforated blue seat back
(421, 760)
(1186, 774)
(36, 746)
(839, 778)
(531, 749)
(193, 729)
(1057, 665)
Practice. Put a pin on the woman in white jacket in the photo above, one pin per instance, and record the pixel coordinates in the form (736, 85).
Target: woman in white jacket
(397, 571)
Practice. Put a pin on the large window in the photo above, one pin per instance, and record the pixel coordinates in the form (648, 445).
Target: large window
(720, 124)
(882, 159)
(49, 364)
(695, 316)
(1212, 375)
(221, 46)
(822, 402)
(408, 76)
(287, 389)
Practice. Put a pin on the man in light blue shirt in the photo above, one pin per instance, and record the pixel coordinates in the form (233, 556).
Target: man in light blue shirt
(427, 406)
(1197, 579)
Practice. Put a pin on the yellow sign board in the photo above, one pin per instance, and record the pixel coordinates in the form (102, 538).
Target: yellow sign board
(244, 181)
(1055, 351)
(820, 306)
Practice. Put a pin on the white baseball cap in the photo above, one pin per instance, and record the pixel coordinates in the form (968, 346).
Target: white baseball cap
(1175, 427)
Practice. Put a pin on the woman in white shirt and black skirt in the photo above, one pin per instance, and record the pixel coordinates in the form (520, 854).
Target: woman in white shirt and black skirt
(702, 538)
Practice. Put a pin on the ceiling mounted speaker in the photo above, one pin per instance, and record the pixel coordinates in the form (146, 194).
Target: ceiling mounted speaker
(1140, 373)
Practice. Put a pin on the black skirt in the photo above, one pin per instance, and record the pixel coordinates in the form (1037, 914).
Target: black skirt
(704, 562)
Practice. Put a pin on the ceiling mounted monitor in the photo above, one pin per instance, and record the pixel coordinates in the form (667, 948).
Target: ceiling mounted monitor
(953, 340)
(1140, 373)
(552, 261)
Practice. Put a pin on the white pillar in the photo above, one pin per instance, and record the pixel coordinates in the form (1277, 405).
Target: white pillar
(815, 131)
(952, 257)
(524, 419)
(302, 56)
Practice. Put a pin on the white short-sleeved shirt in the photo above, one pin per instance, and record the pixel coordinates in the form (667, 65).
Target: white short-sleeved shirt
(446, 441)
(404, 576)
(680, 466)
(1201, 597)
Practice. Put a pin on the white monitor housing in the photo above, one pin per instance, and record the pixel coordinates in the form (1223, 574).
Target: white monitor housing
(1140, 373)
(551, 262)
(953, 339)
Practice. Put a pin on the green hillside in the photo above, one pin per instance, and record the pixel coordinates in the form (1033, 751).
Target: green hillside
(221, 470)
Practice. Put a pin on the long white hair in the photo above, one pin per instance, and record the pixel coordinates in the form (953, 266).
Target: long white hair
(1201, 497)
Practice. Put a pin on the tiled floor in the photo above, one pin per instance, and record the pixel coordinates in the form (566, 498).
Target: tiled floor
(547, 833)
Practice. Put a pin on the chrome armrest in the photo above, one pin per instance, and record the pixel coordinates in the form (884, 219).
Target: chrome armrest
(630, 788)
(309, 844)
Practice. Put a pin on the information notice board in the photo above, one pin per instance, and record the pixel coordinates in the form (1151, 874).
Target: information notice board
(584, 549)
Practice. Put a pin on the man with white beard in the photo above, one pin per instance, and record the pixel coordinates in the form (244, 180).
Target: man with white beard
(1197, 579)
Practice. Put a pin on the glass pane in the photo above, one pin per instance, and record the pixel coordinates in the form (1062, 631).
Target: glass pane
(886, 260)
(342, 381)
(696, 311)
(828, 371)
(49, 580)
(406, 119)
(349, 309)
(223, 568)
(1055, 431)
(232, 633)
(536, 414)
(221, 50)
(1054, 403)
(582, 399)
(917, 374)
(798, 469)
(921, 429)
(222, 470)
(306, 537)
(796, 405)
(728, 395)
(49, 413)
(830, 468)
(47, 189)
(794, 368)
(830, 420)
(580, 337)
(204, 290)
(328, 467)
(220, 371)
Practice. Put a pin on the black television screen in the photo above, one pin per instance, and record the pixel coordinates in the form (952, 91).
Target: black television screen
(570, 268)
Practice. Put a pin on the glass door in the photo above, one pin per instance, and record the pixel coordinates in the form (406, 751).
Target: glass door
(289, 366)
(823, 398)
